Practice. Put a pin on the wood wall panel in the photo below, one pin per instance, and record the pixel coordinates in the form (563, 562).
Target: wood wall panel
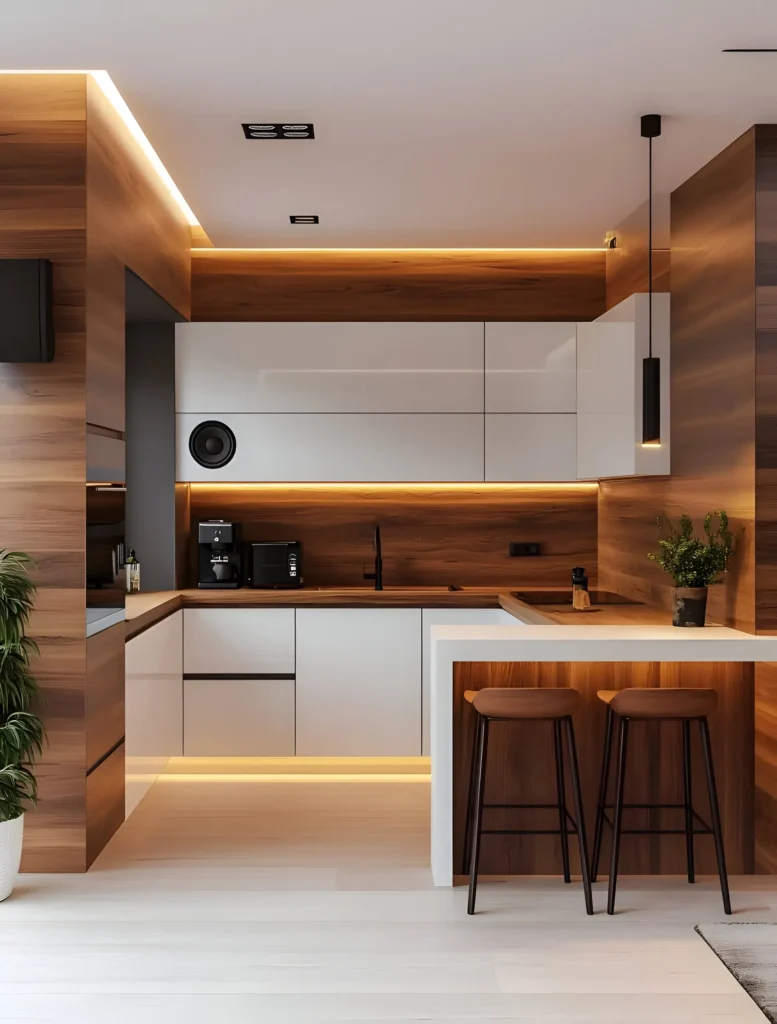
(401, 285)
(520, 766)
(42, 435)
(626, 266)
(75, 189)
(712, 393)
(431, 536)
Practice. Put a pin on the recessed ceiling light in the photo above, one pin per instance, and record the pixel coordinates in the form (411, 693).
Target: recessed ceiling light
(261, 130)
(304, 218)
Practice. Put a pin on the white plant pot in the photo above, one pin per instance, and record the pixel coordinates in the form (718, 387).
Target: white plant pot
(11, 833)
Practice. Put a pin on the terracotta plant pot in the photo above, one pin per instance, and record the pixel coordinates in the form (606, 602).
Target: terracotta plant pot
(689, 606)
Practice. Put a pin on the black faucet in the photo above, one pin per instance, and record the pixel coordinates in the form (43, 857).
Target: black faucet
(378, 574)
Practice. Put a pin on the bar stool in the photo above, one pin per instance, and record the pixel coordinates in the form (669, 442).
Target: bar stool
(658, 704)
(522, 705)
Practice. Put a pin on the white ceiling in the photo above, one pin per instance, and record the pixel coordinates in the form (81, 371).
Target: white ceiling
(438, 122)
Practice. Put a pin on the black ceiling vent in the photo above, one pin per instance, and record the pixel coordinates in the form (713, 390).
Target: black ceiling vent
(304, 218)
(751, 49)
(292, 130)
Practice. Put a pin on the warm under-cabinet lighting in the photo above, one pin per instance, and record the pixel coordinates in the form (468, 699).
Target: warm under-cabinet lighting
(464, 250)
(116, 100)
(420, 487)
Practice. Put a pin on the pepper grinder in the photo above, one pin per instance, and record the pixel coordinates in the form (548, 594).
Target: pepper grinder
(580, 597)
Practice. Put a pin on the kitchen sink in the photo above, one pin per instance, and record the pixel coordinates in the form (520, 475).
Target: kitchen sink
(598, 597)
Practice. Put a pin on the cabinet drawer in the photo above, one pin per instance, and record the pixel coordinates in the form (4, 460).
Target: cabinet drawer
(238, 717)
(238, 641)
(154, 694)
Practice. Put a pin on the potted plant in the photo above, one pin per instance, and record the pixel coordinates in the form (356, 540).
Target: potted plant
(21, 731)
(694, 563)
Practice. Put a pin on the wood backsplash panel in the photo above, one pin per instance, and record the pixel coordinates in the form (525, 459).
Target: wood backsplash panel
(431, 536)
(233, 284)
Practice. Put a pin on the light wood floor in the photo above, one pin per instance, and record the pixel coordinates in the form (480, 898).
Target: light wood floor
(296, 899)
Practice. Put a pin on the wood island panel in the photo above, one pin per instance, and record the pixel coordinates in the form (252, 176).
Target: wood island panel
(445, 284)
(521, 765)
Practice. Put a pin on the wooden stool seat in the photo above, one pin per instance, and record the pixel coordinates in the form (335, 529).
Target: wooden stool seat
(524, 702)
(660, 702)
(684, 705)
(516, 704)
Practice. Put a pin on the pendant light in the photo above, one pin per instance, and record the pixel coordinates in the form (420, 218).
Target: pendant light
(651, 366)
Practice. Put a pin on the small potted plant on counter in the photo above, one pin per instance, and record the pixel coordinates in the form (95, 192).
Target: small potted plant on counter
(21, 731)
(694, 564)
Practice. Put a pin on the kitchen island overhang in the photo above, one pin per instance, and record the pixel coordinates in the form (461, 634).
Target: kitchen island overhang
(564, 655)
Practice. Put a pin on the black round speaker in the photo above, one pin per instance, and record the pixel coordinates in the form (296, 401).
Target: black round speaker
(212, 444)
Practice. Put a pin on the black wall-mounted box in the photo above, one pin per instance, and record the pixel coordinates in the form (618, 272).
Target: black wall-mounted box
(26, 312)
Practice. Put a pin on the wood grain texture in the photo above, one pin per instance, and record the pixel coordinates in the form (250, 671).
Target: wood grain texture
(766, 769)
(430, 536)
(712, 393)
(520, 766)
(43, 438)
(104, 705)
(397, 285)
(626, 266)
(104, 803)
(75, 189)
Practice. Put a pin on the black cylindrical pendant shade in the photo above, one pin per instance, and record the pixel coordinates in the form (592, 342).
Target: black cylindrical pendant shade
(651, 400)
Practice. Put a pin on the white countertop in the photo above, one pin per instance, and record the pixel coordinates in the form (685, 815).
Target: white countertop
(98, 619)
(550, 642)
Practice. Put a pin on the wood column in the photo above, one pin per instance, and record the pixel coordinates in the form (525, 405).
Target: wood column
(76, 189)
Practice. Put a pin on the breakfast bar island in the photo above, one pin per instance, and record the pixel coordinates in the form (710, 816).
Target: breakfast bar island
(616, 648)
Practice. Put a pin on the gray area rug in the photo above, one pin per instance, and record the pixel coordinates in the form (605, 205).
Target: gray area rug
(749, 951)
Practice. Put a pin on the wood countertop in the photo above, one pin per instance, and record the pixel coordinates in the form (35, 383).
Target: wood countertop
(145, 610)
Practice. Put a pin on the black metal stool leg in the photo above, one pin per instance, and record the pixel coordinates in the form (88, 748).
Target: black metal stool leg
(579, 816)
(717, 830)
(617, 814)
(688, 800)
(602, 800)
(478, 815)
(471, 795)
(562, 799)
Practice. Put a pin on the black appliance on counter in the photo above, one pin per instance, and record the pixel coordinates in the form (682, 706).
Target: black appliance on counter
(276, 563)
(219, 560)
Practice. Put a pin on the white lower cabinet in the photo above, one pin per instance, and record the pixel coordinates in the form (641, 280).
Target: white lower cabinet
(153, 701)
(359, 682)
(238, 641)
(452, 617)
(238, 717)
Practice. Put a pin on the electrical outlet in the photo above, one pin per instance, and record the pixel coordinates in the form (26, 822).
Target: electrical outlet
(520, 549)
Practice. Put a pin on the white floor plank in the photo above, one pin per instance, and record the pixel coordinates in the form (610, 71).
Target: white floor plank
(309, 899)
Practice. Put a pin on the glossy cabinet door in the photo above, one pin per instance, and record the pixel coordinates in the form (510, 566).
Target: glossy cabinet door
(358, 682)
(355, 447)
(452, 617)
(530, 367)
(528, 447)
(154, 690)
(329, 367)
(238, 641)
(238, 717)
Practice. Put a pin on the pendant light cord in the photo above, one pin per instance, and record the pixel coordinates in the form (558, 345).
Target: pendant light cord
(650, 246)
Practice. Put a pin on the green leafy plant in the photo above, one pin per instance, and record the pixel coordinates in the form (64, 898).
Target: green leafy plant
(695, 561)
(21, 731)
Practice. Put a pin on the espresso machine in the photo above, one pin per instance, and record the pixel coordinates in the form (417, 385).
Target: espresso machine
(219, 560)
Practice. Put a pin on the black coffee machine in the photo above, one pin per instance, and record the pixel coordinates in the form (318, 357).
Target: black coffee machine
(219, 560)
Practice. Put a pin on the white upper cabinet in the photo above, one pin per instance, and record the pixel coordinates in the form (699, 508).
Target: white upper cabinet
(531, 447)
(355, 447)
(329, 367)
(610, 351)
(530, 367)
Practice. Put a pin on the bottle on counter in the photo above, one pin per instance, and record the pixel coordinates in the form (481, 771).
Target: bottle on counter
(132, 570)
(581, 599)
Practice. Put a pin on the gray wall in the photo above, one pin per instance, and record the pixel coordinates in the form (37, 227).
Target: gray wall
(150, 435)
